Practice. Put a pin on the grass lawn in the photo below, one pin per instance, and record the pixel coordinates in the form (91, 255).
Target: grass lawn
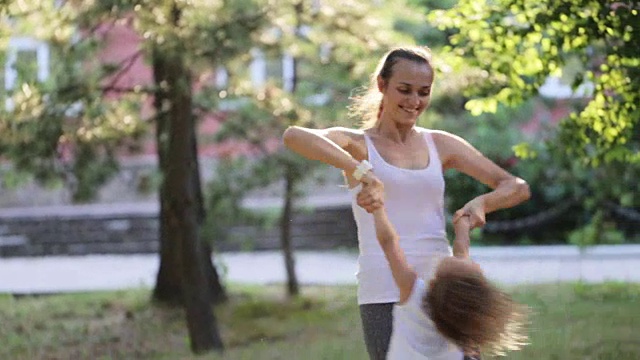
(569, 321)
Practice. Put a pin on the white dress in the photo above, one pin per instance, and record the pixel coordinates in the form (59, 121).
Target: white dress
(414, 335)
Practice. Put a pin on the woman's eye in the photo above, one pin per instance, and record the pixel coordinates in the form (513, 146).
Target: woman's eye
(421, 93)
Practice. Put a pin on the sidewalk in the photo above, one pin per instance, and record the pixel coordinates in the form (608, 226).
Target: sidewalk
(505, 265)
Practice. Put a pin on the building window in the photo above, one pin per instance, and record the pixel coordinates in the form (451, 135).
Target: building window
(277, 68)
(221, 78)
(27, 60)
(554, 88)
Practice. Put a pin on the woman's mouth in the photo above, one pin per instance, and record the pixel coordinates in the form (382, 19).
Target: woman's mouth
(412, 111)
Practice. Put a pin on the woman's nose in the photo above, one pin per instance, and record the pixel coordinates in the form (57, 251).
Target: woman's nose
(414, 99)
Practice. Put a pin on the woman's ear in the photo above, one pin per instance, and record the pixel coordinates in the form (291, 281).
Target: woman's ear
(381, 83)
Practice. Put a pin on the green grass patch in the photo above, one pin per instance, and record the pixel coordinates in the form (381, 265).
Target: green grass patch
(568, 321)
(582, 321)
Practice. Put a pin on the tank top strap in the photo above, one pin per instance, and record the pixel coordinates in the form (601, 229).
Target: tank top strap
(372, 153)
(434, 157)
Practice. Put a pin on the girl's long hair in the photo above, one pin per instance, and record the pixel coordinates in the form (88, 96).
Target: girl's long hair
(475, 314)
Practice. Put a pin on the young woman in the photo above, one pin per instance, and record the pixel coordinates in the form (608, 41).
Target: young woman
(410, 161)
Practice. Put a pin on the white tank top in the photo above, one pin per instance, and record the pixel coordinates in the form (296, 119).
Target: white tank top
(414, 200)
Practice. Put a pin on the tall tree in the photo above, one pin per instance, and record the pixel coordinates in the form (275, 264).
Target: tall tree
(228, 39)
(179, 207)
(71, 125)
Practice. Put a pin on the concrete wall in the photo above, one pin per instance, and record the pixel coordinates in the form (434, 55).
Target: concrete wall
(133, 228)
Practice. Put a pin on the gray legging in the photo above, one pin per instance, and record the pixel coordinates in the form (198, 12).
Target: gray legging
(377, 323)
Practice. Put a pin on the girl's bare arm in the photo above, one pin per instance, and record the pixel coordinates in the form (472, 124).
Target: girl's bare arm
(403, 274)
(462, 240)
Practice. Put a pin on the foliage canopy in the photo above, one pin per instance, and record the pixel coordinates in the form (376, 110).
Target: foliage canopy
(516, 44)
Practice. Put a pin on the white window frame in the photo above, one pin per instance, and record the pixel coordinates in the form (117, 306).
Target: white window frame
(288, 72)
(553, 88)
(22, 43)
(221, 78)
(258, 69)
(17, 44)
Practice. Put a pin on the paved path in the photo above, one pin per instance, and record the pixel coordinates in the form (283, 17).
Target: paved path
(506, 265)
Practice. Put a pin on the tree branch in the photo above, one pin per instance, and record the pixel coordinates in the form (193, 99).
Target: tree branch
(133, 90)
(124, 66)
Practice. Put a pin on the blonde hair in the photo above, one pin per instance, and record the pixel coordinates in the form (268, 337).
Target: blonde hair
(367, 105)
(474, 314)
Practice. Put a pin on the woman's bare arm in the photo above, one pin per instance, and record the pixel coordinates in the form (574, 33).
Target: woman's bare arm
(326, 145)
(508, 190)
(342, 148)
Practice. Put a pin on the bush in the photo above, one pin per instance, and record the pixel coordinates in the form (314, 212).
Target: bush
(570, 202)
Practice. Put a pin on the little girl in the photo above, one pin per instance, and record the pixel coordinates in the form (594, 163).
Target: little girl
(457, 312)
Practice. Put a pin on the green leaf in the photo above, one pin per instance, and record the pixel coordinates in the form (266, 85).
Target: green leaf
(524, 151)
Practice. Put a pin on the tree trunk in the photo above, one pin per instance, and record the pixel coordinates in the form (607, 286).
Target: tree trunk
(218, 294)
(180, 214)
(183, 212)
(168, 282)
(168, 287)
(293, 287)
(285, 234)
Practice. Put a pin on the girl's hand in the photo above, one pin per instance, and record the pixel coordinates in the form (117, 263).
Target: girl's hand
(371, 197)
(475, 210)
(462, 226)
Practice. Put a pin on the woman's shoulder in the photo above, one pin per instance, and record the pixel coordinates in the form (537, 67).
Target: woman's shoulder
(441, 136)
(342, 130)
(434, 132)
(354, 135)
(347, 130)
(336, 133)
(447, 144)
(438, 136)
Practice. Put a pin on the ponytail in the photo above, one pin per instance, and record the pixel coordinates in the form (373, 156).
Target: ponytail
(366, 107)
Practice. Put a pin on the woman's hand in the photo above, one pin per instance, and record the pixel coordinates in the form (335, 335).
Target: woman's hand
(476, 211)
(371, 197)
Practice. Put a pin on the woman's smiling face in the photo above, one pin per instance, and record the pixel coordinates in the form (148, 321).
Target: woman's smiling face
(408, 92)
